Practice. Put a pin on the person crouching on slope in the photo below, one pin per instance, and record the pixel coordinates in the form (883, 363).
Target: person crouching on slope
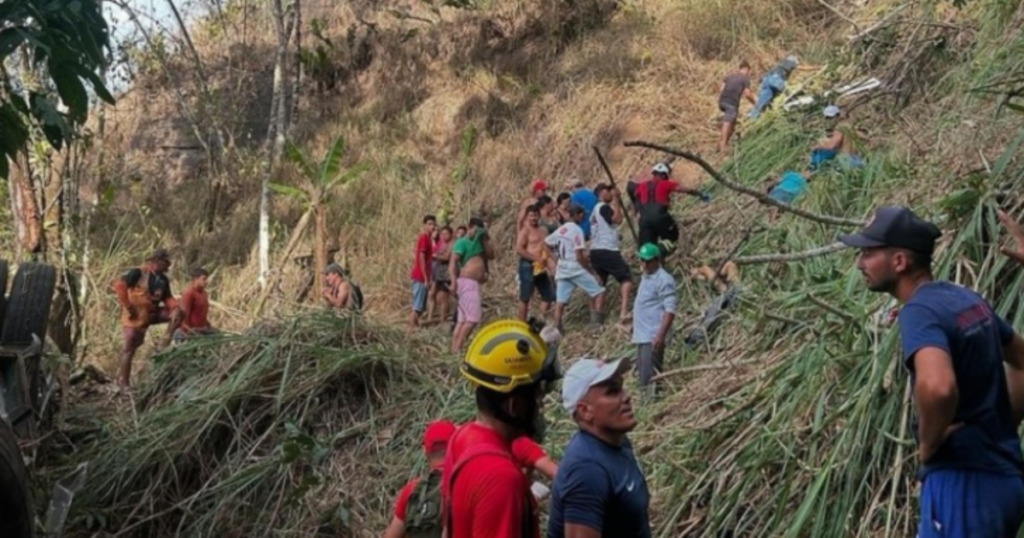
(966, 369)
(485, 492)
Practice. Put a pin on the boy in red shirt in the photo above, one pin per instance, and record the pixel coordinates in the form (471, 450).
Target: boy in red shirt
(192, 316)
(420, 273)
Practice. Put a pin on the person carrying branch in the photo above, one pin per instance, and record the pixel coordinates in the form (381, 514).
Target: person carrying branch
(652, 199)
(966, 369)
(144, 294)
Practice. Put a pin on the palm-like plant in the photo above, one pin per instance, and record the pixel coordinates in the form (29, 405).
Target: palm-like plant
(321, 180)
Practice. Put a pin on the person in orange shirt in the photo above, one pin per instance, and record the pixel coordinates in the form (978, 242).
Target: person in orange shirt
(194, 308)
(144, 294)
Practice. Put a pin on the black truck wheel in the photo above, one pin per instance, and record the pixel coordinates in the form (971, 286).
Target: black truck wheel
(3, 290)
(15, 501)
(28, 314)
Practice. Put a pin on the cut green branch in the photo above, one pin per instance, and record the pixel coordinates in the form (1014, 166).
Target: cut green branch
(760, 196)
(790, 257)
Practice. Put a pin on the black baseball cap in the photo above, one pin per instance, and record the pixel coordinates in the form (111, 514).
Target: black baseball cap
(896, 227)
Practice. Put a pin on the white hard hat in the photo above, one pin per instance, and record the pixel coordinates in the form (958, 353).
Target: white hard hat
(660, 168)
(831, 111)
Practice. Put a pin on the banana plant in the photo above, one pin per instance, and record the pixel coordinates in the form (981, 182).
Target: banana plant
(320, 181)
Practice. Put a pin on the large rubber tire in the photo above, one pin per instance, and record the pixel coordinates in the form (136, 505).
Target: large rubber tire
(28, 313)
(15, 500)
(3, 290)
(28, 307)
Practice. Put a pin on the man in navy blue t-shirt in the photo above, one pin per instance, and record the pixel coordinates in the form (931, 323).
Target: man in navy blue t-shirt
(599, 491)
(968, 404)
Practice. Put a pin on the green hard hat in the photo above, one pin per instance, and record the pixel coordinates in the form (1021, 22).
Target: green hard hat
(649, 252)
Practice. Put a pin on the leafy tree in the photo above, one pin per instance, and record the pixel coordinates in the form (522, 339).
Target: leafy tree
(67, 38)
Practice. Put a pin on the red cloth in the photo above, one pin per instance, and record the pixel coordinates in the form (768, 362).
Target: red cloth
(663, 189)
(196, 306)
(490, 492)
(437, 432)
(424, 247)
(402, 501)
(527, 452)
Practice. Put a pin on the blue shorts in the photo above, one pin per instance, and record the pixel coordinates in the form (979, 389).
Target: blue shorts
(529, 282)
(782, 196)
(419, 297)
(585, 281)
(822, 156)
(970, 504)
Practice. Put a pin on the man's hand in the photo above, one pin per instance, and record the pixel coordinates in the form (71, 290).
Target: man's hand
(926, 451)
(658, 344)
(1014, 229)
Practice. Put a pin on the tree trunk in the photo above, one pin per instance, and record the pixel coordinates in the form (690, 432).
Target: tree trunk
(27, 221)
(292, 243)
(279, 128)
(319, 249)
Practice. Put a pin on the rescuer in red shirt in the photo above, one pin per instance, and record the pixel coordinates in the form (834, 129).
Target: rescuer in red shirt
(484, 490)
(652, 199)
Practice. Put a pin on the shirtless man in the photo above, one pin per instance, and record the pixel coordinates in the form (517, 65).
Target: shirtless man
(533, 264)
(341, 294)
(537, 189)
(468, 270)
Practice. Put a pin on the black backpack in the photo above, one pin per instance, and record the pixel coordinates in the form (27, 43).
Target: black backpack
(423, 510)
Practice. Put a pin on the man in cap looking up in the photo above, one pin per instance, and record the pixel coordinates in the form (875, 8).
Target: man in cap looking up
(599, 491)
(966, 369)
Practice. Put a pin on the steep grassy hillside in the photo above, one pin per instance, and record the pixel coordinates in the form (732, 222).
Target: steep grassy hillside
(791, 421)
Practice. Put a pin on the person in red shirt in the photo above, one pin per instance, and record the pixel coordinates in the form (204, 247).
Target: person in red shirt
(435, 443)
(652, 199)
(484, 490)
(421, 273)
(192, 317)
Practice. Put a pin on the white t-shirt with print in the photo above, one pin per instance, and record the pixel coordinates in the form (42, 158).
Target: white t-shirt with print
(566, 240)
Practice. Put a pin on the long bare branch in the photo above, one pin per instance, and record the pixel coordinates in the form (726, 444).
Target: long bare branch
(762, 197)
(790, 257)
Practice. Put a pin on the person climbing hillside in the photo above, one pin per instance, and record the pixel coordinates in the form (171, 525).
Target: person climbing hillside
(340, 293)
(573, 270)
(538, 189)
(652, 198)
(584, 198)
(605, 256)
(599, 491)
(735, 86)
(440, 290)
(420, 273)
(467, 268)
(653, 314)
(773, 83)
(144, 294)
(966, 368)
(485, 493)
(194, 305)
(533, 265)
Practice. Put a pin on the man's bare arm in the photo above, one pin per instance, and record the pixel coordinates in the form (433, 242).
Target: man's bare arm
(1013, 357)
(936, 395)
(396, 529)
(522, 242)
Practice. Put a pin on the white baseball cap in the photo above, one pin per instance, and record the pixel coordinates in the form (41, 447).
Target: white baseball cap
(586, 373)
(660, 168)
(831, 111)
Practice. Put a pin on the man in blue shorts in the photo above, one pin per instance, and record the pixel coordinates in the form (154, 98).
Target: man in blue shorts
(573, 270)
(599, 490)
(966, 369)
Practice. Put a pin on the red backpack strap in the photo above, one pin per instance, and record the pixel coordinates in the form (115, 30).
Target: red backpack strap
(468, 455)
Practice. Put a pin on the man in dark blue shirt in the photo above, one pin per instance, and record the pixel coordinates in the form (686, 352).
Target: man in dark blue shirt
(599, 491)
(968, 404)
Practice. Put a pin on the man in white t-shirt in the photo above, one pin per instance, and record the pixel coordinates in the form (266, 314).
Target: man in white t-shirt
(569, 247)
(605, 256)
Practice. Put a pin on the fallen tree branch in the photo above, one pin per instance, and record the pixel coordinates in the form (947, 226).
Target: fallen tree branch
(829, 308)
(762, 197)
(705, 367)
(881, 22)
(790, 257)
(840, 14)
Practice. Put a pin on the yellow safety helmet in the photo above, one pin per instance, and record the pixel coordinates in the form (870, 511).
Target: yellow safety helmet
(506, 354)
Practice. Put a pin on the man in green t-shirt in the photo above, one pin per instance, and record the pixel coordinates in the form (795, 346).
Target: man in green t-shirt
(468, 270)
